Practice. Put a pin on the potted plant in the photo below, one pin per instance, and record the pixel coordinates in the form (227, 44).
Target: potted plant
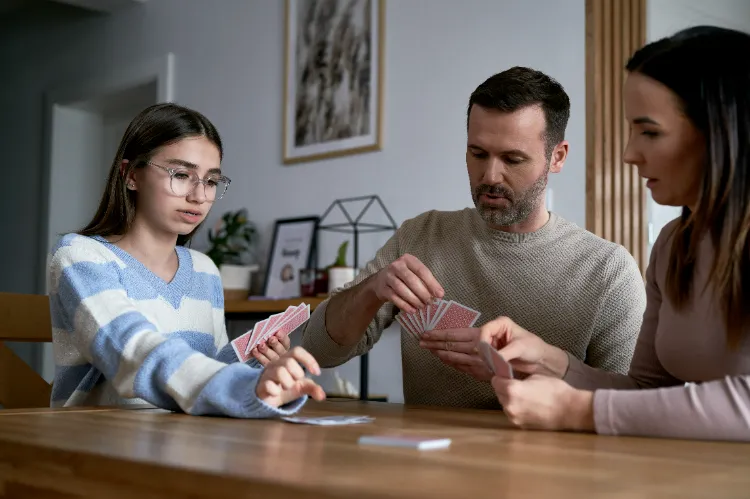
(233, 240)
(339, 273)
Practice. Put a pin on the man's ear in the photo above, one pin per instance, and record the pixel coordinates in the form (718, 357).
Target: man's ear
(558, 157)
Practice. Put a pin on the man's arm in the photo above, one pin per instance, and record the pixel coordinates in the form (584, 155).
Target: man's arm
(619, 316)
(351, 321)
(351, 311)
(355, 319)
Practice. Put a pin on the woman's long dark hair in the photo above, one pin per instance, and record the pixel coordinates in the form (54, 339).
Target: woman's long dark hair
(154, 127)
(709, 71)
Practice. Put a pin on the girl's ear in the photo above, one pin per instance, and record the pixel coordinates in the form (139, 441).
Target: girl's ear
(130, 183)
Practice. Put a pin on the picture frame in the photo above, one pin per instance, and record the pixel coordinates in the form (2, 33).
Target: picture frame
(346, 119)
(292, 249)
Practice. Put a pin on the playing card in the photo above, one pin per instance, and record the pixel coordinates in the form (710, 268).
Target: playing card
(263, 327)
(288, 326)
(329, 420)
(240, 344)
(406, 325)
(277, 319)
(456, 316)
(442, 314)
(281, 324)
(494, 361)
(255, 335)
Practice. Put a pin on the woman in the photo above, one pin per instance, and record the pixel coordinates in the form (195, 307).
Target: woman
(689, 111)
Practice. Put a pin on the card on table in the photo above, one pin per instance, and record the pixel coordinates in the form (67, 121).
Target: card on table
(408, 441)
(442, 314)
(329, 420)
(494, 361)
(281, 324)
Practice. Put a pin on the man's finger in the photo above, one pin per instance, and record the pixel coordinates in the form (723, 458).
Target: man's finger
(466, 348)
(453, 335)
(457, 358)
(424, 274)
(402, 290)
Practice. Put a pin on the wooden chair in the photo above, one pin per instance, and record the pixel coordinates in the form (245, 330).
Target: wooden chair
(23, 318)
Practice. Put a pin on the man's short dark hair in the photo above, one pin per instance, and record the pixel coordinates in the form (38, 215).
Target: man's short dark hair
(519, 87)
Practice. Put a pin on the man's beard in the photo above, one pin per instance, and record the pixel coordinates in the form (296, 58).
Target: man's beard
(520, 206)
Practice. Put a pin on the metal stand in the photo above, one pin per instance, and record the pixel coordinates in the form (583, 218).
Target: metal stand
(355, 226)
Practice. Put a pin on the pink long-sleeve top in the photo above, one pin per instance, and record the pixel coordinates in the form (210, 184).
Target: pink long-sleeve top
(675, 347)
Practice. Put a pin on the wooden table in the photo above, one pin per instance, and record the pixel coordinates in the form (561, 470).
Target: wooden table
(147, 453)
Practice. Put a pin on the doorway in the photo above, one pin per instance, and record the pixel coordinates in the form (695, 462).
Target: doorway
(84, 125)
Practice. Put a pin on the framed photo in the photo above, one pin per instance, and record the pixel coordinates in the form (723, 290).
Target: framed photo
(291, 250)
(333, 78)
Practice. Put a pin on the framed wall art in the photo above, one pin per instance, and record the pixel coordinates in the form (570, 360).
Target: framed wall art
(333, 78)
(291, 250)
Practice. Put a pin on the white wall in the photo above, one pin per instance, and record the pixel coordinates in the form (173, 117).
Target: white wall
(666, 17)
(77, 170)
(229, 65)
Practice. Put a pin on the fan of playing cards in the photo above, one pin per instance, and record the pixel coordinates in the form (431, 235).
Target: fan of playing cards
(442, 314)
(278, 324)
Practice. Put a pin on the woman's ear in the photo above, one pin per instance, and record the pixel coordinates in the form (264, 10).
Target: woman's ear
(130, 182)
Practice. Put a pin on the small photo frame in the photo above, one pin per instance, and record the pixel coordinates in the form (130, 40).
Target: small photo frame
(291, 250)
(333, 78)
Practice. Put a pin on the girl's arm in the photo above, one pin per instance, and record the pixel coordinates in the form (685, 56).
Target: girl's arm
(133, 355)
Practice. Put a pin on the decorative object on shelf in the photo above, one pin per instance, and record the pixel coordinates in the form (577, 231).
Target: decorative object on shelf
(307, 282)
(333, 78)
(355, 226)
(233, 240)
(291, 250)
(339, 273)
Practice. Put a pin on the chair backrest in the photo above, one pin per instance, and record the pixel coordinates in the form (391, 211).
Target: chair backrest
(23, 318)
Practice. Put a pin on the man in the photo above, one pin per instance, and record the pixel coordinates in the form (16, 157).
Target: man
(508, 256)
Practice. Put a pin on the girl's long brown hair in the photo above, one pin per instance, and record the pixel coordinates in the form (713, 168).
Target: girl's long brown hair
(155, 126)
(714, 89)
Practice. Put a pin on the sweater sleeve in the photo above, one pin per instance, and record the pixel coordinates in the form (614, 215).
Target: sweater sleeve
(619, 314)
(131, 352)
(646, 371)
(315, 336)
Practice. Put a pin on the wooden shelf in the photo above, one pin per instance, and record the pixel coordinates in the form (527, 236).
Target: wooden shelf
(269, 306)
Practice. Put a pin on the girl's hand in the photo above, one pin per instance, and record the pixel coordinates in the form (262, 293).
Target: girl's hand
(283, 380)
(271, 350)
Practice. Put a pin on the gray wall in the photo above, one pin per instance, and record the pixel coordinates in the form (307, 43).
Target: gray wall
(229, 65)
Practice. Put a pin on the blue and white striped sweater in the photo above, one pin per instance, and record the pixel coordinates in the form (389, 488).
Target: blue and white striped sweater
(123, 335)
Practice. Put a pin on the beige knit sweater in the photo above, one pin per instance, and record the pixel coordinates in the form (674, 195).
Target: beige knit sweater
(573, 289)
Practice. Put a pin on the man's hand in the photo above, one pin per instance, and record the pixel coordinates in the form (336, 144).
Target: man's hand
(458, 349)
(407, 283)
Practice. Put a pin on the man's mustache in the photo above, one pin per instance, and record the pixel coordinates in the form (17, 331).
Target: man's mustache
(493, 190)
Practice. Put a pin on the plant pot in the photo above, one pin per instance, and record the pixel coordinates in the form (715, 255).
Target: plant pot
(338, 276)
(237, 280)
